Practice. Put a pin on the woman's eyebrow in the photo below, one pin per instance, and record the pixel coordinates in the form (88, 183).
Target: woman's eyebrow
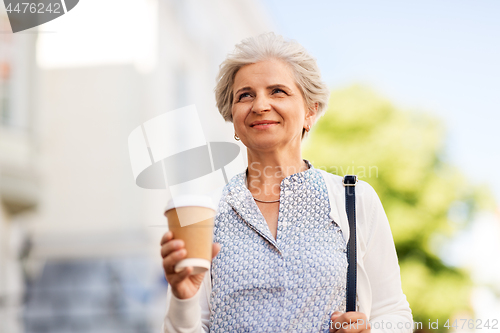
(242, 89)
(281, 86)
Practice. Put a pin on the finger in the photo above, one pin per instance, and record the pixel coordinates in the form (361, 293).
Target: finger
(336, 314)
(215, 249)
(178, 277)
(166, 237)
(354, 316)
(172, 245)
(175, 279)
(349, 321)
(172, 259)
(335, 322)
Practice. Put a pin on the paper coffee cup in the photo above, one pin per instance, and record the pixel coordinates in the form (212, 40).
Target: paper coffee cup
(191, 218)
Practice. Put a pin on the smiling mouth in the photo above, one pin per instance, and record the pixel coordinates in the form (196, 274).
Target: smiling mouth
(263, 124)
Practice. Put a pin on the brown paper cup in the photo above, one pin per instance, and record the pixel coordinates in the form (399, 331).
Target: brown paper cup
(194, 225)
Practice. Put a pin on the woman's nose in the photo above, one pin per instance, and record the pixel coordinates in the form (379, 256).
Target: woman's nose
(261, 104)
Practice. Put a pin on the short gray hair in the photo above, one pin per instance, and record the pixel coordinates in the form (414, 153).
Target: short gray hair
(265, 47)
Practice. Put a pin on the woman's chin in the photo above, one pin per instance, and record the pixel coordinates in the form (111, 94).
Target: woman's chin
(262, 145)
(266, 142)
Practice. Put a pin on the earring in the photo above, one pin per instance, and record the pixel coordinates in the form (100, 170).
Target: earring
(236, 137)
(308, 127)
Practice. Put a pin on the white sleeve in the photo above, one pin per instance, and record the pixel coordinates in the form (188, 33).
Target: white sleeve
(390, 311)
(190, 315)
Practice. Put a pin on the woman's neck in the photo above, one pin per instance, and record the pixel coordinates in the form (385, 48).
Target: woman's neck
(265, 173)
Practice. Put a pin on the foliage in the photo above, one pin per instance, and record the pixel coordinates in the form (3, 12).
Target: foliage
(400, 154)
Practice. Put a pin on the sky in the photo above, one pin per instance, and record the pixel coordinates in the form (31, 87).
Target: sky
(440, 57)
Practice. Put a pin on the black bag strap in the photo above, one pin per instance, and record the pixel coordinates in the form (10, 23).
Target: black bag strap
(349, 183)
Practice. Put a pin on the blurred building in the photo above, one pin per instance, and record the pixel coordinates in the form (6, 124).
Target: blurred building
(79, 241)
(19, 174)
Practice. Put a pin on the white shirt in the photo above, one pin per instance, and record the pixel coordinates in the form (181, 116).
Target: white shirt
(379, 293)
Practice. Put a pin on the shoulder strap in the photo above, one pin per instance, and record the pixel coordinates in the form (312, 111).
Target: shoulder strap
(349, 182)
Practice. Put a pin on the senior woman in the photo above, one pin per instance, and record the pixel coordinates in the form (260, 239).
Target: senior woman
(281, 229)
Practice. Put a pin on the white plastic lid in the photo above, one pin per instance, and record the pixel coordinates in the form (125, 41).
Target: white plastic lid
(190, 200)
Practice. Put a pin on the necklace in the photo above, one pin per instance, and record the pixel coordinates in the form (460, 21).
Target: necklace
(264, 201)
(259, 199)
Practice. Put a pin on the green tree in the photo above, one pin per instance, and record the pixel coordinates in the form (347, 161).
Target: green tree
(401, 154)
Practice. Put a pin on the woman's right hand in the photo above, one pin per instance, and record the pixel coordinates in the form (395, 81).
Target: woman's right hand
(183, 284)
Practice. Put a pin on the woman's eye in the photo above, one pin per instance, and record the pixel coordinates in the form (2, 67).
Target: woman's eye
(277, 90)
(243, 95)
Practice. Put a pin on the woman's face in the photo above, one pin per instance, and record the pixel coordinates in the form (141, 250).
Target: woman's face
(268, 109)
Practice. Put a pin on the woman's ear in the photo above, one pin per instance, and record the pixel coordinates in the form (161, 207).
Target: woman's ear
(311, 113)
